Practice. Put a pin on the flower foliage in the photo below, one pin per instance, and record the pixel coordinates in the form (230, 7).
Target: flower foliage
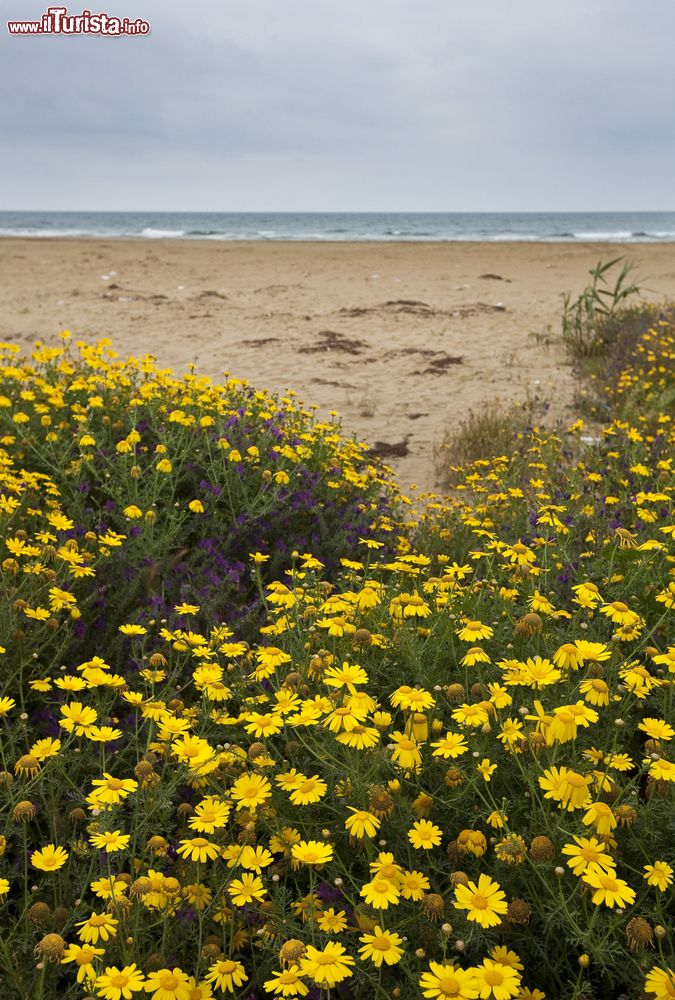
(440, 768)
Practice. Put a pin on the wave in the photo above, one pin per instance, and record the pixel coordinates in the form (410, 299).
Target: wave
(620, 234)
(161, 234)
(511, 237)
(410, 228)
(44, 233)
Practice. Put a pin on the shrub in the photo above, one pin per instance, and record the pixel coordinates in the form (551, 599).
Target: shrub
(588, 322)
(477, 437)
(173, 482)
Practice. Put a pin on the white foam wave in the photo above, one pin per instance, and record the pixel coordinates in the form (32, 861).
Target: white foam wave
(506, 238)
(162, 234)
(43, 233)
(621, 234)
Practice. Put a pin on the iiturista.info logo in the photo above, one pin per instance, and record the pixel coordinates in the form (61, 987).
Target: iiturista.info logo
(57, 21)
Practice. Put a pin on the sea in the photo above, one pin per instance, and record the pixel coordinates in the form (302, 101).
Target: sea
(571, 227)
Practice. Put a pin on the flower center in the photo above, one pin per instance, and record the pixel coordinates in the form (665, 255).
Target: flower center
(576, 780)
(479, 902)
(322, 959)
(449, 986)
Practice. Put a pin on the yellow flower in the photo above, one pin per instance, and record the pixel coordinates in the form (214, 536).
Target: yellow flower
(413, 885)
(497, 980)
(210, 814)
(619, 613)
(198, 849)
(6, 705)
(49, 859)
(250, 791)
(472, 842)
(609, 889)
(226, 975)
(287, 983)
(120, 984)
(110, 791)
(331, 922)
(662, 770)
(568, 657)
(661, 982)
(329, 967)
(311, 852)
(660, 874)
(27, 766)
(98, 925)
(168, 984)
(406, 751)
(424, 835)
(587, 855)
(449, 982)
(132, 630)
(77, 718)
(379, 893)
(361, 823)
(497, 819)
(452, 745)
(539, 672)
(412, 699)
(473, 630)
(248, 889)
(309, 791)
(83, 955)
(103, 734)
(484, 901)
(595, 691)
(110, 842)
(667, 596)
(381, 946)
(567, 787)
(486, 769)
(473, 716)
(657, 729)
(186, 609)
(512, 849)
(601, 817)
(348, 675)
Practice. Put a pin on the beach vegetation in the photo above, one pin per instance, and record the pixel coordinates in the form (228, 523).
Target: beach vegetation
(481, 434)
(589, 322)
(427, 757)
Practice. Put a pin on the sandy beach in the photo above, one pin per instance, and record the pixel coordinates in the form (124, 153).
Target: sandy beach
(402, 339)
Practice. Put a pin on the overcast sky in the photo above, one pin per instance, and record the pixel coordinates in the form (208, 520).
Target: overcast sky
(363, 105)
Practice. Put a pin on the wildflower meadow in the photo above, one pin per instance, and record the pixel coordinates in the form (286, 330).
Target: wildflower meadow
(270, 729)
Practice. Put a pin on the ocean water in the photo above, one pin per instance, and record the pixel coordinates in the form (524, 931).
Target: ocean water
(573, 227)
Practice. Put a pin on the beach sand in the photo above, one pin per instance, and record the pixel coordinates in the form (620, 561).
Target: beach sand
(402, 339)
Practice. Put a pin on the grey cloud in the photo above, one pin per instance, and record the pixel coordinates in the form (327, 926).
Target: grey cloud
(346, 104)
